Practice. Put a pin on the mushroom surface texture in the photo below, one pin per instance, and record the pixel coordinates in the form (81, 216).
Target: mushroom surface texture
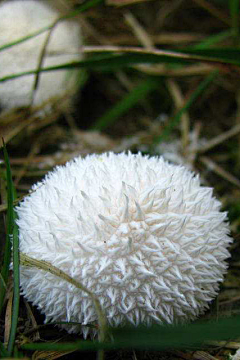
(141, 234)
(19, 19)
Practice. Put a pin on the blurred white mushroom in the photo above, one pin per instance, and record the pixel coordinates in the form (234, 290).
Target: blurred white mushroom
(140, 233)
(22, 18)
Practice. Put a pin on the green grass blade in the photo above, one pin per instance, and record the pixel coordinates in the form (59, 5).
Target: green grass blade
(175, 120)
(87, 5)
(12, 234)
(16, 297)
(104, 62)
(178, 337)
(3, 351)
(154, 338)
(81, 8)
(128, 102)
(224, 55)
(138, 56)
(212, 40)
(25, 38)
(4, 271)
(234, 12)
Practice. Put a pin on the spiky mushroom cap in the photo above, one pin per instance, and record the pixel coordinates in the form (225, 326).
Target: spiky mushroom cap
(19, 19)
(140, 233)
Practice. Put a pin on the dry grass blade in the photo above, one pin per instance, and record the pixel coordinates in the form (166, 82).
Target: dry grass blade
(139, 50)
(188, 70)
(165, 38)
(41, 58)
(50, 355)
(8, 318)
(219, 139)
(179, 101)
(213, 10)
(139, 31)
(123, 2)
(36, 336)
(202, 355)
(12, 241)
(3, 207)
(30, 158)
(44, 265)
(225, 344)
(9, 135)
(211, 165)
(230, 301)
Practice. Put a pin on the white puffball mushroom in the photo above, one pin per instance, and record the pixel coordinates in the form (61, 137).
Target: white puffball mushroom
(138, 232)
(22, 18)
